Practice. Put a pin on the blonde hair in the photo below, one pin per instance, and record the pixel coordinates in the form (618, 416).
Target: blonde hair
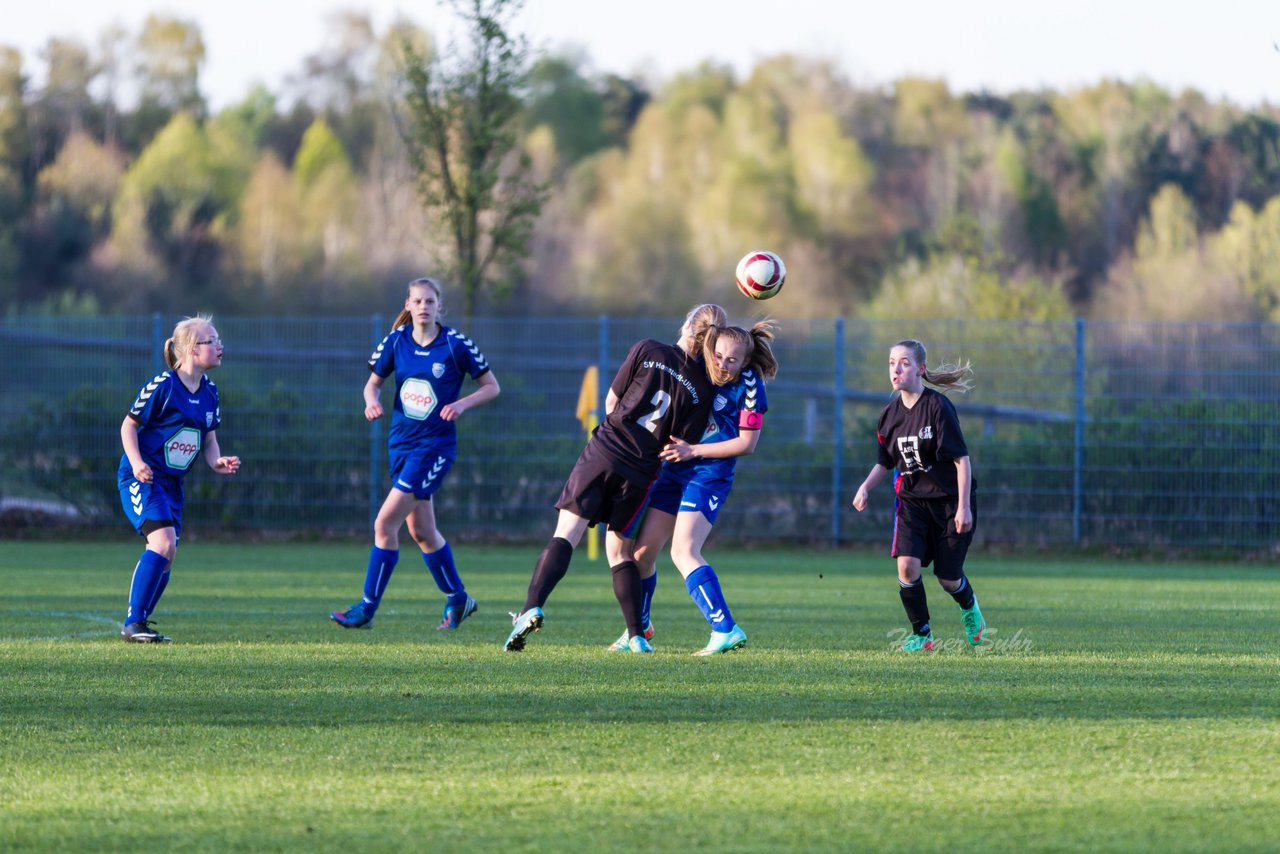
(697, 333)
(183, 340)
(406, 316)
(947, 376)
(758, 352)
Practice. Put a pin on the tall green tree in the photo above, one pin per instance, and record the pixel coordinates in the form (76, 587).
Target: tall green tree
(462, 132)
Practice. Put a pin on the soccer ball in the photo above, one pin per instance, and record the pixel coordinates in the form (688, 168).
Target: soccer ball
(760, 274)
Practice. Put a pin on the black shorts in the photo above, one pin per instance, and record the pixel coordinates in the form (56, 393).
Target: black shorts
(926, 529)
(600, 489)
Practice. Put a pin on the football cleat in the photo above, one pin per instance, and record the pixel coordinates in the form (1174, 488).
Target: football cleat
(915, 643)
(358, 616)
(974, 624)
(453, 617)
(735, 638)
(622, 645)
(639, 644)
(523, 625)
(142, 632)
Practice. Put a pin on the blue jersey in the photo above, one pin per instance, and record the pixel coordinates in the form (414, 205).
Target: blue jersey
(741, 403)
(427, 379)
(172, 423)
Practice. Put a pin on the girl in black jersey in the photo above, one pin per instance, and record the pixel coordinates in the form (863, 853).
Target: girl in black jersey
(661, 391)
(920, 436)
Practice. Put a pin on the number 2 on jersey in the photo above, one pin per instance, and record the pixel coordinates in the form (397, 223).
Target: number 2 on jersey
(662, 401)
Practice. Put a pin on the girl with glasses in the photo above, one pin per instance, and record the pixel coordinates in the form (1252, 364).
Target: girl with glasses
(173, 421)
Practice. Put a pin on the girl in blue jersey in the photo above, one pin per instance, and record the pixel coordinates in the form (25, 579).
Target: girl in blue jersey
(430, 362)
(696, 479)
(660, 391)
(173, 420)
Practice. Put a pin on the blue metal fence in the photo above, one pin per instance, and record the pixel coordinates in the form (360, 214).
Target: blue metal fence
(1098, 433)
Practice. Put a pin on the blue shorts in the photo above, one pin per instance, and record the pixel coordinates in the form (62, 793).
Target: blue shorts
(672, 495)
(158, 501)
(418, 473)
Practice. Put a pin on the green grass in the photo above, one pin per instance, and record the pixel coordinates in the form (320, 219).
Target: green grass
(1122, 706)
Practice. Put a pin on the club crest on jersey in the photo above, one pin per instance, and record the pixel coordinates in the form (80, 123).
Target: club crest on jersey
(926, 432)
(437, 370)
(720, 402)
(181, 448)
(417, 399)
(208, 419)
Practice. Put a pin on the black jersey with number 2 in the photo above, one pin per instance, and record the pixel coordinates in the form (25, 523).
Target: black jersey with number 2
(922, 442)
(662, 392)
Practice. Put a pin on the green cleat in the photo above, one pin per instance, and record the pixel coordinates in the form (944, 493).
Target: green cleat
(622, 644)
(974, 624)
(915, 643)
(735, 638)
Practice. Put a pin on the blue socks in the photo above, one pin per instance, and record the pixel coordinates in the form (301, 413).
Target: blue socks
(445, 572)
(647, 586)
(704, 588)
(382, 562)
(149, 579)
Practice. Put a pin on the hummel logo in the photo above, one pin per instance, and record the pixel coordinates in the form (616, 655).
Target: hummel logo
(135, 488)
(713, 503)
(688, 504)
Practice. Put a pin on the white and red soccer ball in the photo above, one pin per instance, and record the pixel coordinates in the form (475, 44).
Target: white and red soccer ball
(760, 274)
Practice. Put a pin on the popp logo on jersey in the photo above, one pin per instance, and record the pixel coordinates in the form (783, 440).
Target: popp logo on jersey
(417, 399)
(181, 448)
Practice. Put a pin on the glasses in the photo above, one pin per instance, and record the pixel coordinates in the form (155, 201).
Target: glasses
(216, 342)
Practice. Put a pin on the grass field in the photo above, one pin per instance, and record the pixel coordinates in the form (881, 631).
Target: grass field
(1120, 706)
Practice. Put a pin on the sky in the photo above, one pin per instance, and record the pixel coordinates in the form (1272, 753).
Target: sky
(1225, 49)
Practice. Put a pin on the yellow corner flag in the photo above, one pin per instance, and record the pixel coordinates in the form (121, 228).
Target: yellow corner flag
(589, 398)
(589, 414)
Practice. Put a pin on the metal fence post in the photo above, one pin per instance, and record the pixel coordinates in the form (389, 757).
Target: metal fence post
(157, 341)
(837, 432)
(1077, 489)
(603, 377)
(375, 327)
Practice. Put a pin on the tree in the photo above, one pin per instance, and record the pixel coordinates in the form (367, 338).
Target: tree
(1171, 277)
(169, 214)
(166, 59)
(66, 98)
(70, 215)
(14, 150)
(463, 118)
(268, 233)
(325, 186)
(567, 102)
(170, 52)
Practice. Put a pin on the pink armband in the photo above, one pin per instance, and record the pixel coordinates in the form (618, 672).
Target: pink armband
(750, 420)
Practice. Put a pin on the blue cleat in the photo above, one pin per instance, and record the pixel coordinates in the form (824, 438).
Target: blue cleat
(639, 644)
(453, 617)
(523, 625)
(358, 616)
(735, 638)
(622, 645)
